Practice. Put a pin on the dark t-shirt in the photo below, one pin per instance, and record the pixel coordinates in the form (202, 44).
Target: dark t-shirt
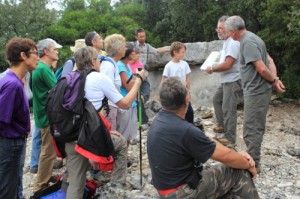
(173, 146)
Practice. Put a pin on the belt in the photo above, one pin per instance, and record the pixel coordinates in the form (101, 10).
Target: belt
(169, 191)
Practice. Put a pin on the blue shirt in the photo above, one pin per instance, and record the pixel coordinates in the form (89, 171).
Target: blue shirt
(127, 70)
(14, 107)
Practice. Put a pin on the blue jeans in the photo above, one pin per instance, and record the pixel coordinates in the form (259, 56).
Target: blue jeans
(22, 162)
(10, 163)
(35, 148)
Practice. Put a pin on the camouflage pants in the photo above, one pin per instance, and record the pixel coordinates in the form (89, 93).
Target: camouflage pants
(219, 181)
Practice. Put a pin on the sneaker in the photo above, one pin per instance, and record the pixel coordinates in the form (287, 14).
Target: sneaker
(218, 129)
(33, 170)
(58, 164)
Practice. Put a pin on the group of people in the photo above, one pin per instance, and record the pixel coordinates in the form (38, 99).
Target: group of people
(114, 81)
(176, 153)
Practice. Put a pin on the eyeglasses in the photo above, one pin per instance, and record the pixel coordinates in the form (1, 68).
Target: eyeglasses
(34, 52)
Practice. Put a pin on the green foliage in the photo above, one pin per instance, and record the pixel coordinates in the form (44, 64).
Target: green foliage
(281, 34)
(275, 21)
(24, 18)
(292, 84)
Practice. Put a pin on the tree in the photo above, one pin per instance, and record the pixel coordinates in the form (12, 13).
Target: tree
(24, 18)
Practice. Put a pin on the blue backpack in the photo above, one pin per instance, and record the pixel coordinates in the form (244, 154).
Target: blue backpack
(101, 57)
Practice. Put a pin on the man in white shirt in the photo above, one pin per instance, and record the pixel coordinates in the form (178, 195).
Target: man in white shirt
(226, 97)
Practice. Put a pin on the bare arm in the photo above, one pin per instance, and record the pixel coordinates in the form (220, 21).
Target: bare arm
(124, 80)
(224, 66)
(125, 102)
(272, 66)
(270, 74)
(233, 159)
(163, 50)
(188, 82)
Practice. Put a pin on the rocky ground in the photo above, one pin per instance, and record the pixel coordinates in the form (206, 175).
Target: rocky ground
(280, 176)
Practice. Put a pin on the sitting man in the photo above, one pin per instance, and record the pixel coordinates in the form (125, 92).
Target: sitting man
(176, 154)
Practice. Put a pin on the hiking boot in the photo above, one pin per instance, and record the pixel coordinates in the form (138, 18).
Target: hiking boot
(218, 129)
(58, 164)
(33, 170)
(226, 142)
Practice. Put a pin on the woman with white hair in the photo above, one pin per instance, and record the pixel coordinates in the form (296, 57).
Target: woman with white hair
(115, 47)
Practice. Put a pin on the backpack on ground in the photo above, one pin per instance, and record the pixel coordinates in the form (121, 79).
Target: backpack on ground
(60, 70)
(58, 190)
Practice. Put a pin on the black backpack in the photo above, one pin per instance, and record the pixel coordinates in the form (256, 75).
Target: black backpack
(64, 106)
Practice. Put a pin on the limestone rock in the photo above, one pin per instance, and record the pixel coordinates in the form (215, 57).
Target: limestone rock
(196, 54)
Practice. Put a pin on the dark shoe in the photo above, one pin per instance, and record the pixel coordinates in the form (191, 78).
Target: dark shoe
(218, 129)
(129, 163)
(33, 170)
(58, 164)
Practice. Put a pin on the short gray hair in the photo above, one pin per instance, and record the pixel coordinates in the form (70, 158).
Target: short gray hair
(113, 43)
(172, 93)
(84, 57)
(45, 44)
(235, 22)
(223, 18)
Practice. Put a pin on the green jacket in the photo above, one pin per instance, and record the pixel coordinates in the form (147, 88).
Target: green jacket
(43, 79)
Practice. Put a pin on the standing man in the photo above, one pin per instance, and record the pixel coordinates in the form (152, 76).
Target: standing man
(22, 56)
(43, 79)
(144, 48)
(94, 40)
(227, 94)
(177, 149)
(259, 76)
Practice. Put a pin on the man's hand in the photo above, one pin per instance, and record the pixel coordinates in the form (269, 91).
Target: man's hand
(278, 86)
(209, 70)
(249, 158)
(253, 172)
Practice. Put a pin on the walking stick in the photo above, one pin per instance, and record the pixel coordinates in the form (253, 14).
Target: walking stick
(140, 129)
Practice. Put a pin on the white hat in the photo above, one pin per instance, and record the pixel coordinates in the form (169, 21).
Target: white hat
(56, 45)
(79, 43)
(45, 44)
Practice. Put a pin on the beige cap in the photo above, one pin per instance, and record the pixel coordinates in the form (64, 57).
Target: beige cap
(79, 43)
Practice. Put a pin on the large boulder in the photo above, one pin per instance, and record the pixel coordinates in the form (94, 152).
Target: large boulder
(196, 54)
